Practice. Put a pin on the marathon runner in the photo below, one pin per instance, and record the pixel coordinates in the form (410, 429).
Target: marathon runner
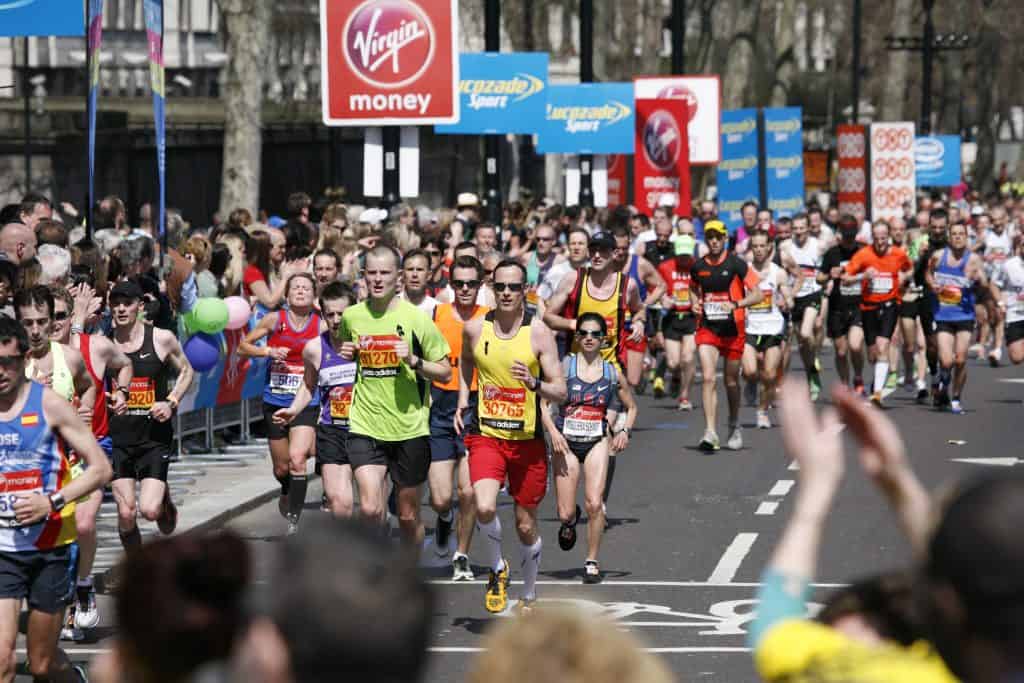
(882, 271)
(415, 272)
(539, 263)
(935, 240)
(762, 353)
(998, 246)
(144, 434)
(447, 448)
(37, 528)
(679, 324)
(805, 251)
(580, 438)
(724, 286)
(952, 275)
(913, 344)
(438, 280)
(650, 288)
(328, 377)
(291, 444)
(1008, 289)
(399, 352)
(517, 364)
(844, 325)
(99, 356)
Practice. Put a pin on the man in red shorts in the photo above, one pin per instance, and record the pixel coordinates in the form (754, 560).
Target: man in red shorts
(723, 286)
(516, 362)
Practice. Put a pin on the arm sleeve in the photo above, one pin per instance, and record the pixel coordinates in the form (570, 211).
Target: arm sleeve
(780, 597)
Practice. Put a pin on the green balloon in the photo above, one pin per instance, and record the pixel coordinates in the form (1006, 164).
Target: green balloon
(189, 319)
(210, 315)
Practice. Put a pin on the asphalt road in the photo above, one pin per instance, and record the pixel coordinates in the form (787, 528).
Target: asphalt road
(691, 533)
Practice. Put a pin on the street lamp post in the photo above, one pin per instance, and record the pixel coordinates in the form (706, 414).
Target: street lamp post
(586, 76)
(492, 143)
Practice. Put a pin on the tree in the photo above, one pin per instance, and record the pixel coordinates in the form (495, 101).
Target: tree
(246, 27)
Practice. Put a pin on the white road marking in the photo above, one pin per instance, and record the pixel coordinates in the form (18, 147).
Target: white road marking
(782, 487)
(732, 558)
(998, 462)
(767, 508)
(794, 466)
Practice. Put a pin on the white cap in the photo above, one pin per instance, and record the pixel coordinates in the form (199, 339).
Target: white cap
(373, 216)
(467, 199)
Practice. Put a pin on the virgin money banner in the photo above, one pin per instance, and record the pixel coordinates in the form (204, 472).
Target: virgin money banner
(589, 118)
(739, 170)
(41, 18)
(662, 157)
(892, 169)
(703, 97)
(389, 62)
(500, 92)
(784, 160)
(852, 195)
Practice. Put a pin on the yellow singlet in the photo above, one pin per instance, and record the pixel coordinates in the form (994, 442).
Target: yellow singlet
(607, 309)
(507, 409)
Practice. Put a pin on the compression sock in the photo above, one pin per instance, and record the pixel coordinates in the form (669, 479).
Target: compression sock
(491, 532)
(530, 566)
(881, 372)
(131, 539)
(285, 481)
(608, 479)
(296, 496)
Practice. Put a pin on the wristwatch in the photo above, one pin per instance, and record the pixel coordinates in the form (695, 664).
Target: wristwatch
(417, 364)
(629, 432)
(173, 401)
(57, 501)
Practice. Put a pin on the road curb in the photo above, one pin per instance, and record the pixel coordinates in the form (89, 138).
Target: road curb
(239, 509)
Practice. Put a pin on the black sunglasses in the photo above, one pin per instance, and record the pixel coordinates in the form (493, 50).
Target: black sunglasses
(593, 334)
(459, 284)
(511, 286)
(61, 315)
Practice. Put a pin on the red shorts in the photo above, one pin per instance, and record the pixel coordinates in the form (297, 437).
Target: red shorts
(731, 348)
(524, 462)
(638, 346)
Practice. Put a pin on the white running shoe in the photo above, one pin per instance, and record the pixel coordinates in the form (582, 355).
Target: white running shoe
(735, 441)
(87, 614)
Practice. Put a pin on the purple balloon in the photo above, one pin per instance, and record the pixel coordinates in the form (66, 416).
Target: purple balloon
(202, 351)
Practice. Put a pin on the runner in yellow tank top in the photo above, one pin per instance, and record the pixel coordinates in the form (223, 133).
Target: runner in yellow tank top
(514, 354)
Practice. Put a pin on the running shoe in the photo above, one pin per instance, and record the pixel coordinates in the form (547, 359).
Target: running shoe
(87, 613)
(892, 381)
(567, 532)
(994, 356)
(461, 571)
(69, 631)
(763, 421)
(442, 535)
(167, 522)
(525, 607)
(293, 528)
(325, 504)
(817, 364)
(750, 393)
(814, 379)
(659, 387)
(684, 405)
(978, 350)
(956, 407)
(710, 442)
(80, 672)
(591, 572)
(876, 399)
(858, 388)
(496, 598)
(735, 441)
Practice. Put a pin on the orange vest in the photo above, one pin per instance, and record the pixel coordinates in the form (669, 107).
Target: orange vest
(451, 328)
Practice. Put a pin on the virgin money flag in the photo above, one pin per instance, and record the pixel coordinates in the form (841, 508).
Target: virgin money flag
(851, 145)
(501, 92)
(703, 96)
(389, 62)
(589, 118)
(662, 157)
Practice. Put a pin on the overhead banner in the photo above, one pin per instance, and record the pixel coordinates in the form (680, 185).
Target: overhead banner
(389, 62)
(784, 160)
(893, 179)
(500, 92)
(617, 179)
(589, 118)
(851, 148)
(661, 161)
(704, 101)
(738, 172)
(41, 18)
(937, 160)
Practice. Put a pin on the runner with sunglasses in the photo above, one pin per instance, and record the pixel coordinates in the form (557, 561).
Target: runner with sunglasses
(514, 354)
(538, 264)
(447, 448)
(580, 439)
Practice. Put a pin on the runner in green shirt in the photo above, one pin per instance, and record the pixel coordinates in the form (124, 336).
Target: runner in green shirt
(400, 352)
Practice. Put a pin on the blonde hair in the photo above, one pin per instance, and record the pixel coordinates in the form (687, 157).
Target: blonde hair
(564, 645)
(232, 279)
(200, 249)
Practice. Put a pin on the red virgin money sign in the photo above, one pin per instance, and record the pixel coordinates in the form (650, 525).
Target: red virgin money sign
(662, 157)
(389, 62)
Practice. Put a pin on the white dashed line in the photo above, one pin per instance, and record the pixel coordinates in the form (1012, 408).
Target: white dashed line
(732, 558)
(782, 487)
(794, 466)
(767, 508)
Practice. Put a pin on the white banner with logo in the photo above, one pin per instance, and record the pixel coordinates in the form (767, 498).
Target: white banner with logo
(892, 169)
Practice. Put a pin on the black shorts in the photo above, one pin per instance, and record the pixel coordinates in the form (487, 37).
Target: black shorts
(763, 342)
(309, 417)
(581, 448)
(840, 320)
(445, 444)
(926, 315)
(1014, 332)
(911, 309)
(46, 578)
(880, 322)
(802, 303)
(147, 460)
(954, 326)
(407, 461)
(331, 445)
(675, 326)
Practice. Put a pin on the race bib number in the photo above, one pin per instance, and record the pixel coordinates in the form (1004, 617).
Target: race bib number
(503, 407)
(285, 378)
(14, 485)
(809, 285)
(681, 295)
(716, 306)
(338, 374)
(950, 295)
(377, 355)
(141, 395)
(765, 305)
(340, 398)
(881, 284)
(583, 423)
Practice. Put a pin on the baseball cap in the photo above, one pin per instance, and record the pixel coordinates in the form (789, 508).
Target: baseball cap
(716, 226)
(601, 240)
(126, 289)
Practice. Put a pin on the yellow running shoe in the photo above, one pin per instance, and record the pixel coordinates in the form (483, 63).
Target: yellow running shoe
(659, 387)
(496, 598)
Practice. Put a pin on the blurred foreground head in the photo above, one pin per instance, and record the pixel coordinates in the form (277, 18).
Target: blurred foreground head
(340, 604)
(567, 646)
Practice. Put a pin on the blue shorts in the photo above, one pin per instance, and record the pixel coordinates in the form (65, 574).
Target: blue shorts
(445, 444)
(107, 445)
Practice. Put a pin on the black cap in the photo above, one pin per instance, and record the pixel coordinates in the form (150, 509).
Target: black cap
(126, 289)
(602, 240)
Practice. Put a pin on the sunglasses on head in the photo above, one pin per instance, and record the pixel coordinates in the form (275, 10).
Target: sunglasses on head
(459, 284)
(511, 286)
(593, 334)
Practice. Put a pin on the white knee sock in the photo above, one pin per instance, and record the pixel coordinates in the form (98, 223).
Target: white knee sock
(530, 566)
(491, 534)
(881, 372)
